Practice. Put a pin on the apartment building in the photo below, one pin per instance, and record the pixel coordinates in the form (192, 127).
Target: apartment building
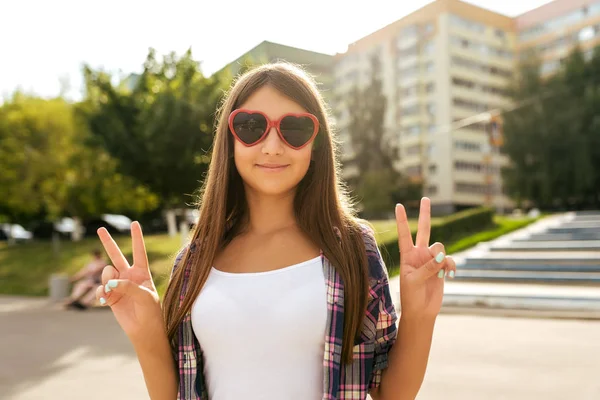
(551, 31)
(443, 63)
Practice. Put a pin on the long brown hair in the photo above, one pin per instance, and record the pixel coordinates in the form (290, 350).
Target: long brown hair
(321, 205)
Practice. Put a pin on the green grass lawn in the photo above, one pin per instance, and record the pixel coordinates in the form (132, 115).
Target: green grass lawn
(26, 268)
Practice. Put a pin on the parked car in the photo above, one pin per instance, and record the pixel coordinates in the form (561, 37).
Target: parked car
(14, 231)
(45, 229)
(114, 223)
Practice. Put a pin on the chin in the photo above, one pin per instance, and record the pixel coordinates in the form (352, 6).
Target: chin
(273, 188)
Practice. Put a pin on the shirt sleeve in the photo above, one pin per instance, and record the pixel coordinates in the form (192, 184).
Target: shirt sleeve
(386, 329)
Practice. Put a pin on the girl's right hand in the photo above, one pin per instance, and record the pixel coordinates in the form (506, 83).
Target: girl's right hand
(130, 291)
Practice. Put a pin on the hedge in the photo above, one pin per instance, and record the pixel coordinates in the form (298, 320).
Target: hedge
(450, 228)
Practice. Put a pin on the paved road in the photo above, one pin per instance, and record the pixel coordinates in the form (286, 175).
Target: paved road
(50, 354)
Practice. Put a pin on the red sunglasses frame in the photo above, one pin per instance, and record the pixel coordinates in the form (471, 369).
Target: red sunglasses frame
(273, 124)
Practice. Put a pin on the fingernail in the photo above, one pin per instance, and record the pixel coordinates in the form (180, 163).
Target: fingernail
(102, 301)
(107, 288)
(451, 274)
(113, 283)
(441, 273)
(439, 258)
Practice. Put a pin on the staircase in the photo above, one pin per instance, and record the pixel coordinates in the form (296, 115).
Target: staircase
(550, 268)
(564, 251)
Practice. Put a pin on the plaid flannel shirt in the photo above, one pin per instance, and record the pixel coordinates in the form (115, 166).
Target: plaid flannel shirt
(340, 381)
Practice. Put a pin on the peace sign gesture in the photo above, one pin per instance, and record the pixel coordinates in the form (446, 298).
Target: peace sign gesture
(129, 290)
(422, 267)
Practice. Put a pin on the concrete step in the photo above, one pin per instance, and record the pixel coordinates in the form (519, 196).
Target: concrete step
(547, 300)
(497, 258)
(528, 276)
(529, 267)
(560, 236)
(591, 230)
(581, 224)
(549, 245)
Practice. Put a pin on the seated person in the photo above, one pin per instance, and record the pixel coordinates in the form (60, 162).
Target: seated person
(86, 281)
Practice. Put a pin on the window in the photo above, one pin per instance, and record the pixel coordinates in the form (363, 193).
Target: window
(467, 166)
(429, 87)
(466, 24)
(410, 71)
(427, 28)
(414, 130)
(467, 146)
(409, 90)
(431, 108)
(410, 110)
(432, 190)
(413, 150)
(586, 33)
(412, 51)
(463, 83)
(470, 105)
(409, 31)
(432, 128)
(499, 33)
(480, 47)
(428, 47)
(413, 170)
(560, 22)
(432, 169)
(476, 66)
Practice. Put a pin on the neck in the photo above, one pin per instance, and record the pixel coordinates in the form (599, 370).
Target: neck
(269, 214)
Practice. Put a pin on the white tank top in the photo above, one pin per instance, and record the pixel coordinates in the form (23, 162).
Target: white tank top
(263, 334)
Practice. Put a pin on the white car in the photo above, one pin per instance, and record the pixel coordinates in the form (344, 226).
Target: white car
(14, 231)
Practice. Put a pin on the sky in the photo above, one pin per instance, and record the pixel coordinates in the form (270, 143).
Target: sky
(44, 43)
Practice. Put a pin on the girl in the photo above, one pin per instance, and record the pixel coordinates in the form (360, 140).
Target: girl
(282, 292)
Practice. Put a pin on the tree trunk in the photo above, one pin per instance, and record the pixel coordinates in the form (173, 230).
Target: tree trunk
(77, 233)
(170, 215)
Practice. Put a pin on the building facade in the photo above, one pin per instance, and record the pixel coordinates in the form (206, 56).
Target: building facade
(552, 30)
(445, 69)
(446, 62)
(319, 65)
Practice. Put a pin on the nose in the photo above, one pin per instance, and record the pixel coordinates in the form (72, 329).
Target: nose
(272, 144)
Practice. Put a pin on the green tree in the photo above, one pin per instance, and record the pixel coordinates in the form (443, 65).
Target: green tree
(47, 166)
(379, 184)
(552, 135)
(161, 129)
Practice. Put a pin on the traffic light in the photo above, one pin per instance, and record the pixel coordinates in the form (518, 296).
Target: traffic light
(496, 132)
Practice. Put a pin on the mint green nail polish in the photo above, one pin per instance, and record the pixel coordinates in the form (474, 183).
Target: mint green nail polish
(441, 273)
(107, 288)
(102, 300)
(451, 274)
(440, 257)
(113, 283)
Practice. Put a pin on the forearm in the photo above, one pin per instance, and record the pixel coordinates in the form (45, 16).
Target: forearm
(157, 366)
(403, 377)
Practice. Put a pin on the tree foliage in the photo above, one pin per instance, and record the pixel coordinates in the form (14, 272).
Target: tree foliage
(379, 185)
(48, 167)
(159, 125)
(553, 135)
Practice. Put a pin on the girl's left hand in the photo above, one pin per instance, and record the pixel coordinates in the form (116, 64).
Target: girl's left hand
(422, 267)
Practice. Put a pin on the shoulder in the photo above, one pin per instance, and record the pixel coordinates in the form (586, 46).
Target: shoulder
(179, 257)
(377, 268)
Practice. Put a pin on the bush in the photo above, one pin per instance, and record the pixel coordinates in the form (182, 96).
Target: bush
(448, 229)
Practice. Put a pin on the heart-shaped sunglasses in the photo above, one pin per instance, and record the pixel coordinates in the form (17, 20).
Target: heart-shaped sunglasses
(295, 129)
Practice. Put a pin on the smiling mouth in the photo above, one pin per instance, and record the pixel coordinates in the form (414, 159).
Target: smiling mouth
(272, 167)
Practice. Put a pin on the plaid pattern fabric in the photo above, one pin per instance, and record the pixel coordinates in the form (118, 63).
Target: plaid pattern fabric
(340, 381)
